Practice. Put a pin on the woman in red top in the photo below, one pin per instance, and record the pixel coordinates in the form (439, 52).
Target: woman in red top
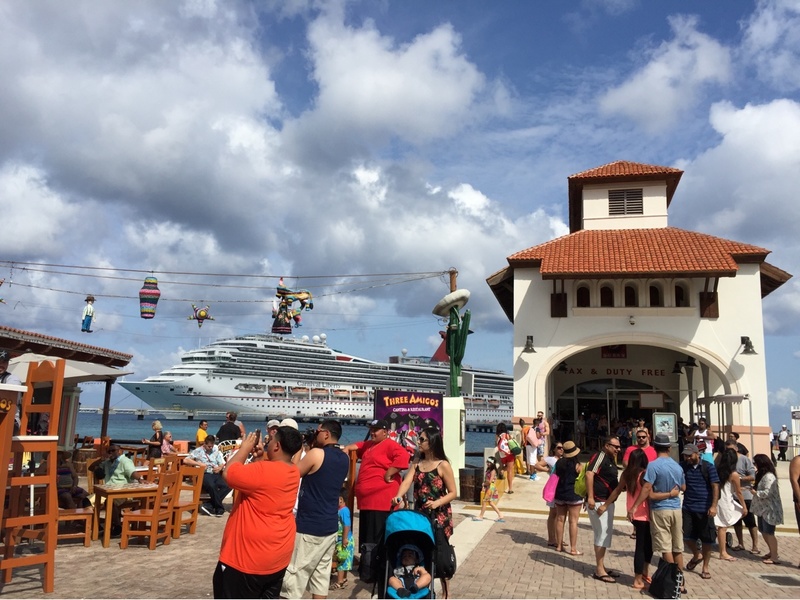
(631, 481)
(378, 479)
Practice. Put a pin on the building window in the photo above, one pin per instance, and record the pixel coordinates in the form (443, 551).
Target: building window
(656, 297)
(583, 297)
(631, 295)
(681, 295)
(625, 202)
(606, 296)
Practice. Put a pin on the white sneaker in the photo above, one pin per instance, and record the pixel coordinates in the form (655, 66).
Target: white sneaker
(206, 511)
(534, 477)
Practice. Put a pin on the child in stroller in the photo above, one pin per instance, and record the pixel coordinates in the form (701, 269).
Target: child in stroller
(409, 576)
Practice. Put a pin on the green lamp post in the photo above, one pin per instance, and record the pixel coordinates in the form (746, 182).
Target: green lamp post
(457, 332)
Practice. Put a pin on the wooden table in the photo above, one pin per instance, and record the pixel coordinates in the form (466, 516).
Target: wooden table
(115, 492)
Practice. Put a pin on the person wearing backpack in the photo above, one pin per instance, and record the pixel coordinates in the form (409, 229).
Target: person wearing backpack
(566, 500)
(601, 481)
(699, 507)
(506, 456)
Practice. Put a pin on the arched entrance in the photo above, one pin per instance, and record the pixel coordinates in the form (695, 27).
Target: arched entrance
(608, 403)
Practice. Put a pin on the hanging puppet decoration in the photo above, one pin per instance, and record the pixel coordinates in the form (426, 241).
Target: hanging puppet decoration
(148, 298)
(200, 315)
(2, 281)
(283, 311)
(88, 314)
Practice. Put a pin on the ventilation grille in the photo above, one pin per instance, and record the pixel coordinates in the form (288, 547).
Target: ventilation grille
(625, 202)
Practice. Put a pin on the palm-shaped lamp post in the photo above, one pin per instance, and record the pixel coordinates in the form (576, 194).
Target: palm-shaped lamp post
(457, 331)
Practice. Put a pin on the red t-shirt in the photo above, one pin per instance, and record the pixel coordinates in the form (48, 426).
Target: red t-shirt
(650, 452)
(372, 491)
(259, 535)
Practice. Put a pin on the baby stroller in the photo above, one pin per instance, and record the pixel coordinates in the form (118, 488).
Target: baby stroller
(406, 528)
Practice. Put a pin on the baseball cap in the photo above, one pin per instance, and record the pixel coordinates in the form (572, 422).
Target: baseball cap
(689, 449)
(5, 355)
(378, 424)
(662, 439)
(273, 423)
(289, 423)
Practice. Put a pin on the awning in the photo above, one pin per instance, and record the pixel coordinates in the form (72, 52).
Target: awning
(75, 371)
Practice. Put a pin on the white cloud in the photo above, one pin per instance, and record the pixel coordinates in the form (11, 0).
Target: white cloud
(37, 219)
(783, 397)
(670, 83)
(772, 43)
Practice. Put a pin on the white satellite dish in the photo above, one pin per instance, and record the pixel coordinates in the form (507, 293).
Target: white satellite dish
(457, 299)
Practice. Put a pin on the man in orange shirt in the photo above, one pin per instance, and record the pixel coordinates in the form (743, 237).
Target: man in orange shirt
(259, 536)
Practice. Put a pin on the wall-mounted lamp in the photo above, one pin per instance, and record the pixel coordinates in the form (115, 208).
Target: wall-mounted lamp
(632, 320)
(748, 346)
(562, 368)
(528, 344)
(689, 363)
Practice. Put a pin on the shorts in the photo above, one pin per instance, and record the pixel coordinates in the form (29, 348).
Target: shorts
(310, 567)
(749, 519)
(666, 530)
(530, 452)
(699, 526)
(602, 525)
(764, 527)
(228, 582)
(508, 458)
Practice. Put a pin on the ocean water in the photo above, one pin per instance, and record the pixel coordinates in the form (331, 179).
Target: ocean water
(128, 427)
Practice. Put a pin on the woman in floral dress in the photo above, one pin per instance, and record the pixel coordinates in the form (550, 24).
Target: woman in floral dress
(434, 483)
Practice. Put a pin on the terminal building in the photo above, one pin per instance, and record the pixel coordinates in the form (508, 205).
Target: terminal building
(628, 317)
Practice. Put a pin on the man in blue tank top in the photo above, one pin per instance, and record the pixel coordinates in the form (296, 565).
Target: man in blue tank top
(323, 470)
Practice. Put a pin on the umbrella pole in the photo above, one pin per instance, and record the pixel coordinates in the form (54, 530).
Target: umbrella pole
(106, 409)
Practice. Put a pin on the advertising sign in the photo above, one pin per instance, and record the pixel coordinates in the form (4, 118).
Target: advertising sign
(408, 413)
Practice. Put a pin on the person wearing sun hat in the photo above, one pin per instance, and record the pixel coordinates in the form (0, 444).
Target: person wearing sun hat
(664, 480)
(567, 502)
(378, 481)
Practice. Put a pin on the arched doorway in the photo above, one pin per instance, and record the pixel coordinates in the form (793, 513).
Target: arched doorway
(605, 404)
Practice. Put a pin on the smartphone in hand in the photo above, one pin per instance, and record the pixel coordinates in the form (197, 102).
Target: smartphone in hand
(258, 437)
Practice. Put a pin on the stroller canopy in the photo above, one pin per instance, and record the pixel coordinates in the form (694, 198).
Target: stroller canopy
(408, 520)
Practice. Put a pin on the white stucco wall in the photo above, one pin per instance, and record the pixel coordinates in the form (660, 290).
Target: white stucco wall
(595, 207)
(671, 333)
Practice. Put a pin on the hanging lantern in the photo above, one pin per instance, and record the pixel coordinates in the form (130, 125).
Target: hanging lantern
(148, 298)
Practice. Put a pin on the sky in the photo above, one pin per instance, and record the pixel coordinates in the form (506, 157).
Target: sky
(361, 149)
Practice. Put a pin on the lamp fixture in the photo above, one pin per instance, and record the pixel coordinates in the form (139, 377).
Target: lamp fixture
(748, 346)
(562, 368)
(632, 320)
(689, 363)
(529, 344)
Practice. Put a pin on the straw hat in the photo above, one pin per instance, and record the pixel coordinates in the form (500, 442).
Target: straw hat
(570, 449)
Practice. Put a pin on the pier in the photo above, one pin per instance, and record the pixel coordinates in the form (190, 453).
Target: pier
(210, 415)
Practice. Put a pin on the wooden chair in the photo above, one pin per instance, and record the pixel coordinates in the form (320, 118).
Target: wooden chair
(77, 515)
(191, 482)
(154, 522)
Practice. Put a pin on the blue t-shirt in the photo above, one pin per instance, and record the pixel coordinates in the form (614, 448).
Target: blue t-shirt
(664, 474)
(698, 495)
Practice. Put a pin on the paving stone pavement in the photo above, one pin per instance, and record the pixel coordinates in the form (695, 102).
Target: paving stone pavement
(496, 560)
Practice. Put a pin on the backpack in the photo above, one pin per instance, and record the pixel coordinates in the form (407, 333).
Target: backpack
(667, 581)
(514, 447)
(368, 566)
(533, 437)
(580, 482)
(445, 553)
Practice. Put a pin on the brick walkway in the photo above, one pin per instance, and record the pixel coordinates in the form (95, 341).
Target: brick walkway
(496, 560)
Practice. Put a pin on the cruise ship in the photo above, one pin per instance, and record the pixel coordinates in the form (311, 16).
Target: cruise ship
(283, 376)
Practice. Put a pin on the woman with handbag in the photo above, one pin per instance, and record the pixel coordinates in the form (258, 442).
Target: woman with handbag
(731, 506)
(549, 462)
(566, 500)
(506, 456)
(434, 484)
(631, 482)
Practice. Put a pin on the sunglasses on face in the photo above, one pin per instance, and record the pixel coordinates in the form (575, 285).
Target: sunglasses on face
(615, 446)
(559, 447)
(641, 437)
(423, 439)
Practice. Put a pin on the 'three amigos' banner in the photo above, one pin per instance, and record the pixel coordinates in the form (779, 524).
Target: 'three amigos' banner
(408, 413)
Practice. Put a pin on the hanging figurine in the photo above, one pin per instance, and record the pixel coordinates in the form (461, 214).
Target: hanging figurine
(200, 315)
(88, 314)
(283, 312)
(2, 281)
(148, 298)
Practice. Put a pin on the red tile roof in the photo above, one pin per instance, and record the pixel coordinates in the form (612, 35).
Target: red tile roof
(624, 168)
(19, 341)
(657, 252)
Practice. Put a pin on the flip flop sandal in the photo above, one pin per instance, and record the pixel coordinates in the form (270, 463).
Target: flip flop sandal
(613, 573)
(604, 578)
(736, 549)
(755, 552)
(690, 566)
(576, 553)
(705, 575)
(771, 561)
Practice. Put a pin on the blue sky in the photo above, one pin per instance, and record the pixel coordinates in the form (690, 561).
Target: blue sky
(354, 138)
